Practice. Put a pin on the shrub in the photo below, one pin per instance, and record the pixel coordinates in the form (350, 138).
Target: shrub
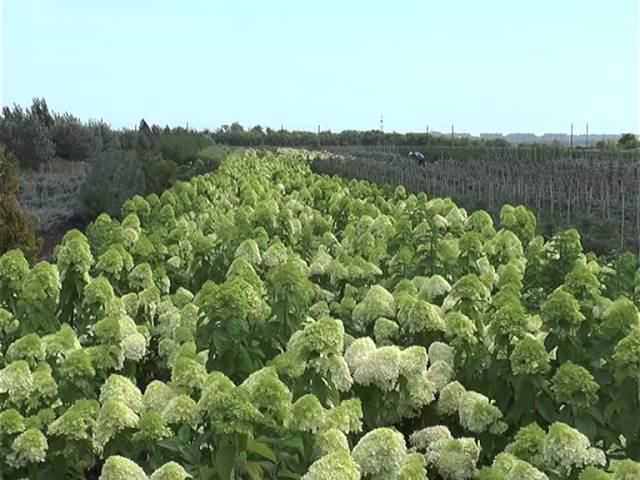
(16, 227)
(115, 175)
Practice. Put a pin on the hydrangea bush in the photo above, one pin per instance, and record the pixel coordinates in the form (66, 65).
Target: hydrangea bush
(265, 322)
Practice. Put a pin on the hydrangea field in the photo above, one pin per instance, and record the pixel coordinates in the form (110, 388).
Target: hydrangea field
(266, 322)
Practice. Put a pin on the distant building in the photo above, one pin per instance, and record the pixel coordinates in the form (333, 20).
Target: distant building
(492, 136)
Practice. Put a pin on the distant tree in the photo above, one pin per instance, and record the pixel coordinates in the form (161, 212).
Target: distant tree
(104, 136)
(145, 141)
(26, 134)
(16, 227)
(628, 141)
(74, 140)
(40, 110)
(128, 139)
(159, 173)
(181, 146)
(115, 176)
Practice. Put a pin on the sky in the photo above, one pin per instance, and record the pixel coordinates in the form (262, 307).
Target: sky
(479, 65)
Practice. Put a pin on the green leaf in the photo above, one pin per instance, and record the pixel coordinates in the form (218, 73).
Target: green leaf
(288, 474)
(295, 443)
(261, 449)
(184, 433)
(546, 408)
(226, 461)
(587, 426)
(254, 470)
(207, 473)
(172, 444)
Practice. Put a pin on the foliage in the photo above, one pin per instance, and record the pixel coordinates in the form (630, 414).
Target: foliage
(26, 133)
(628, 141)
(114, 176)
(73, 139)
(265, 322)
(16, 227)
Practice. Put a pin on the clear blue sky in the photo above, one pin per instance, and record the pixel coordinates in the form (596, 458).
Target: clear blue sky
(483, 65)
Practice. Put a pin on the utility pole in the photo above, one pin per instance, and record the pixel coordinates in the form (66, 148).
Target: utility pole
(587, 141)
(571, 145)
(452, 135)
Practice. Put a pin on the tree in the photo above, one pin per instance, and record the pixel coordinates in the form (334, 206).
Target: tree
(73, 139)
(16, 227)
(145, 141)
(40, 110)
(115, 176)
(26, 134)
(628, 141)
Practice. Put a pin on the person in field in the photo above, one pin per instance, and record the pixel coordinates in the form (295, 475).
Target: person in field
(418, 156)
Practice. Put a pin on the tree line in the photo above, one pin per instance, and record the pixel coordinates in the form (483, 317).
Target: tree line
(120, 162)
(258, 136)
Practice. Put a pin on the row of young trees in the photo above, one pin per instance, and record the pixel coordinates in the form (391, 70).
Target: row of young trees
(599, 194)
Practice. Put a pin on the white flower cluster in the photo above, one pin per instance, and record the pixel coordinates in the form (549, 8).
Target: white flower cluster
(330, 441)
(436, 286)
(422, 439)
(120, 388)
(269, 395)
(250, 251)
(8, 323)
(170, 471)
(16, 380)
(308, 414)
(181, 409)
(391, 369)
(477, 414)
(358, 351)
(28, 447)
(122, 468)
(416, 316)
(378, 302)
(121, 403)
(439, 351)
(440, 373)
(335, 368)
(114, 417)
(453, 458)
(512, 468)
(380, 453)
(346, 416)
(475, 411)
(418, 392)
(321, 262)
(337, 465)
(61, 343)
(566, 449)
(380, 368)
